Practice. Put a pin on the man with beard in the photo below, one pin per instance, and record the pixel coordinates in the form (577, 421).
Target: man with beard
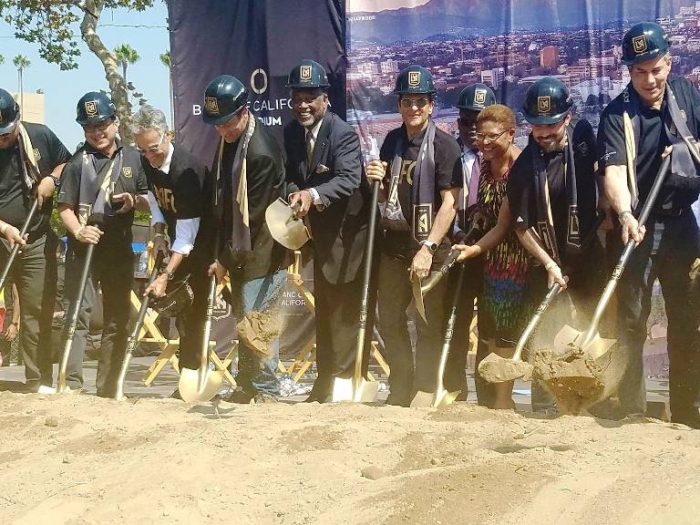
(656, 115)
(247, 176)
(104, 177)
(324, 175)
(472, 100)
(420, 171)
(553, 201)
(176, 202)
(31, 161)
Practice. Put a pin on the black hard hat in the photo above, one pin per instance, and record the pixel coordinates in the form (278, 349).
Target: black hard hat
(547, 101)
(94, 107)
(643, 41)
(307, 75)
(9, 112)
(476, 97)
(414, 79)
(224, 97)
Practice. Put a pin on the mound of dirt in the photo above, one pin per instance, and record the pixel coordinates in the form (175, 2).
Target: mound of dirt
(82, 459)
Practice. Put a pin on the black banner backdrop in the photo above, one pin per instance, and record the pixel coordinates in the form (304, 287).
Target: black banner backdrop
(258, 42)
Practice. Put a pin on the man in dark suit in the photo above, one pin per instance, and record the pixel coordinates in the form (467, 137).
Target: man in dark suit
(325, 180)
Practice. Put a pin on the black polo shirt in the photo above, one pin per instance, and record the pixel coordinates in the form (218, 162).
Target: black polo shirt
(448, 175)
(651, 142)
(179, 192)
(132, 179)
(15, 202)
(522, 196)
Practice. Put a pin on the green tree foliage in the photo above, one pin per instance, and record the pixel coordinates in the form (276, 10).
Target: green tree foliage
(54, 24)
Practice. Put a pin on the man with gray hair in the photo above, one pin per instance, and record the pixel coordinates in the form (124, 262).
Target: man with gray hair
(176, 200)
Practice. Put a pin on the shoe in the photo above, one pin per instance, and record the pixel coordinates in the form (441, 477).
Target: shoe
(176, 394)
(45, 390)
(240, 396)
(262, 397)
(692, 421)
(398, 401)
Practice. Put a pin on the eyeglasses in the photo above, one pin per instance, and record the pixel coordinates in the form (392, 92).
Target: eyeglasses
(154, 148)
(305, 98)
(489, 137)
(420, 103)
(98, 128)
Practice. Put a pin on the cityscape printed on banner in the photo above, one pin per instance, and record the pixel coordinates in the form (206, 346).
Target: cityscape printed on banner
(585, 56)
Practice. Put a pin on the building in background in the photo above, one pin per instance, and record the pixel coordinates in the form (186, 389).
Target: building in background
(34, 104)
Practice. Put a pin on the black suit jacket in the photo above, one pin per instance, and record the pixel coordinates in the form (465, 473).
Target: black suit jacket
(265, 178)
(339, 229)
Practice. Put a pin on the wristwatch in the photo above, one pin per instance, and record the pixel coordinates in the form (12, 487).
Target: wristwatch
(169, 274)
(56, 181)
(431, 245)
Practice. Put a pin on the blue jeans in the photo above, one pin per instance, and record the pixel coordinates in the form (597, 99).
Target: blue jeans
(256, 375)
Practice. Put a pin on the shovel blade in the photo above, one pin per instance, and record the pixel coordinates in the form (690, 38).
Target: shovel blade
(496, 369)
(343, 390)
(189, 385)
(440, 398)
(598, 347)
(569, 337)
(565, 338)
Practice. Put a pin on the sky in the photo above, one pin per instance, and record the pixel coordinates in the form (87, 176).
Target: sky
(374, 6)
(63, 88)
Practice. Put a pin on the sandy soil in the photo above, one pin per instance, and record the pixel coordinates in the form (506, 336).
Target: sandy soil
(84, 460)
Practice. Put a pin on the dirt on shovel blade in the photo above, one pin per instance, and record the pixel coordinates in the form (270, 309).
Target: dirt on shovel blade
(575, 379)
(495, 369)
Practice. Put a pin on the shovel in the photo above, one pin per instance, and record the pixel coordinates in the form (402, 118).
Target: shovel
(420, 288)
(202, 384)
(588, 348)
(358, 388)
(496, 369)
(442, 397)
(133, 337)
(94, 220)
(15, 248)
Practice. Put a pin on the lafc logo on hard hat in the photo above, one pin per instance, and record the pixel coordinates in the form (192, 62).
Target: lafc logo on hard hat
(91, 108)
(479, 96)
(126, 171)
(544, 104)
(639, 44)
(414, 78)
(305, 73)
(211, 104)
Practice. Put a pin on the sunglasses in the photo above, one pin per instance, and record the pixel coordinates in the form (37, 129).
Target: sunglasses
(420, 103)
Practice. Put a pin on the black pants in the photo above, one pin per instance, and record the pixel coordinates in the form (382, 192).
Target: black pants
(669, 248)
(34, 273)
(190, 322)
(112, 269)
(337, 312)
(395, 295)
(455, 377)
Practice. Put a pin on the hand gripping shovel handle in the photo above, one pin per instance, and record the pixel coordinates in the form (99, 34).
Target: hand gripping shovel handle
(364, 304)
(204, 354)
(15, 248)
(626, 253)
(551, 294)
(133, 337)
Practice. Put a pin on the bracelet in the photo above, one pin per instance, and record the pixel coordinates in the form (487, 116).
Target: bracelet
(550, 265)
(623, 213)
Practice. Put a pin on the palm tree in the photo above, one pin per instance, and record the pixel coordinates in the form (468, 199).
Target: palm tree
(125, 55)
(21, 63)
(165, 59)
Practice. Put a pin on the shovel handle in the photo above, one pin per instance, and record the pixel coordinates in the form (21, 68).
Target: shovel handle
(551, 294)
(133, 337)
(15, 248)
(626, 253)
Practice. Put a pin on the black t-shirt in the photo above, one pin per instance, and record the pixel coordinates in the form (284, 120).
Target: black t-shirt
(132, 179)
(651, 142)
(448, 174)
(179, 192)
(15, 201)
(522, 178)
